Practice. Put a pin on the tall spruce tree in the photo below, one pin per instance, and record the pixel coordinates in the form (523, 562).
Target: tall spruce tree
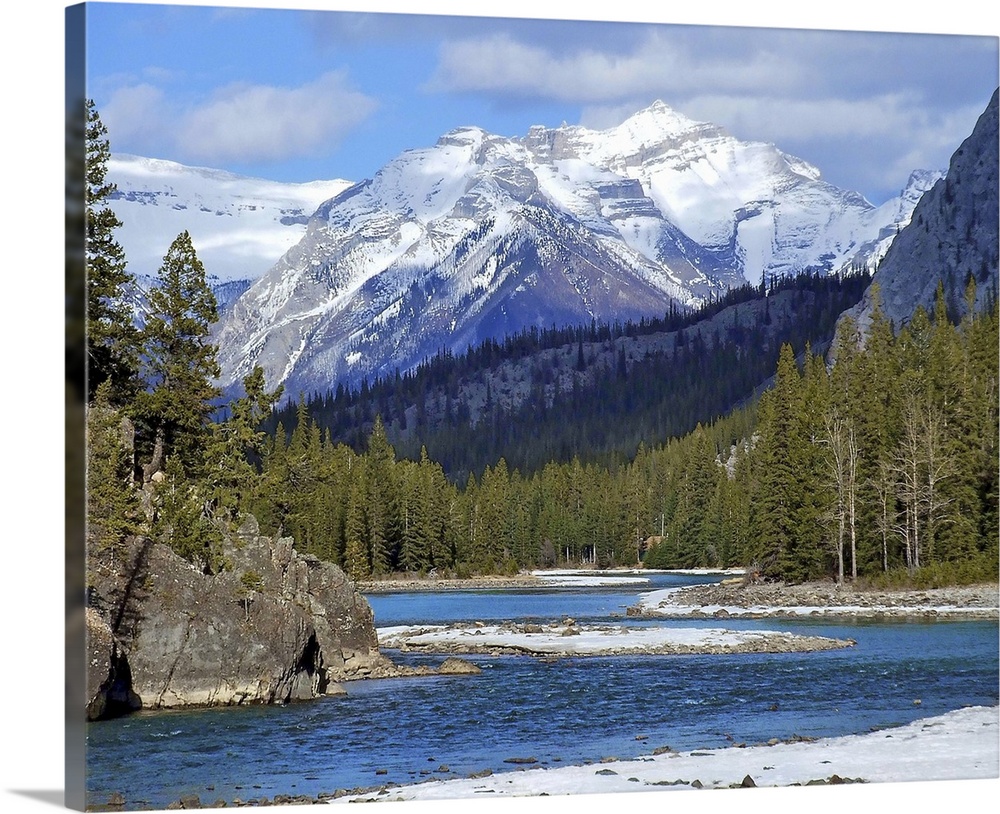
(381, 506)
(231, 474)
(112, 351)
(179, 362)
(779, 487)
(112, 501)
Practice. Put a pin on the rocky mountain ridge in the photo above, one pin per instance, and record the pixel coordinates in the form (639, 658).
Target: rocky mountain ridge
(952, 236)
(481, 236)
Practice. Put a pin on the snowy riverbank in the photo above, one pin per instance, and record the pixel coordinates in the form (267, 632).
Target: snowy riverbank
(546, 578)
(570, 639)
(959, 745)
(817, 599)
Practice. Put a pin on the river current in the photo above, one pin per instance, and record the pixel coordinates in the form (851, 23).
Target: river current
(523, 710)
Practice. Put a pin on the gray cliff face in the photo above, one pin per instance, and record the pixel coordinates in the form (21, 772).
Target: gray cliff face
(951, 237)
(275, 626)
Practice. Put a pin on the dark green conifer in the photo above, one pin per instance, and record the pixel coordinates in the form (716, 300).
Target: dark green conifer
(112, 500)
(179, 362)
(112, 350)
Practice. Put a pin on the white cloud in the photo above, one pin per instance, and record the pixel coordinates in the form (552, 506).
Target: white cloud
(266, 123)
(136, 114)
(764, 117)
(658, 65)
(887, 136)
(867, 109)
(240, 122)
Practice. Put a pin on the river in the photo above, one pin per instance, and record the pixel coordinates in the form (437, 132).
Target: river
(550, 712)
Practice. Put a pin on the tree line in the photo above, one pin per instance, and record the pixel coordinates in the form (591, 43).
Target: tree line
(881, 465)
(156, 462)
(595, 392)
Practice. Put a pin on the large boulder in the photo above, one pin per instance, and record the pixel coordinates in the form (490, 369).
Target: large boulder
(273, 626)
(109, 679)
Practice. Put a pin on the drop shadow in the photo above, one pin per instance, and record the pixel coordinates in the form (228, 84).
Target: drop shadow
(55, 797)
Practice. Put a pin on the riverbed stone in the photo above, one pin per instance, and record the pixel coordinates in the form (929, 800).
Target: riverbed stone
(454, 666)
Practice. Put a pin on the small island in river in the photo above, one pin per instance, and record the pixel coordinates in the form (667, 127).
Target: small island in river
(740, 598)
(569, 639)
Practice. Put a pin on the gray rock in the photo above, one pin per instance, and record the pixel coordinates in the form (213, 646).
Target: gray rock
(951, 236)
(453, 666)
(108, 676)
(185, 638)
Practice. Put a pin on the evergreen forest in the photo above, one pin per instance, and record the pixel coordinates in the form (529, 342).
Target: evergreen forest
(880, 466)
(592, 392)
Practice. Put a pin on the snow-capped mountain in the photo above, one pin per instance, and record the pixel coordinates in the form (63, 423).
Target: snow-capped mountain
(240, 226)
(479, 236)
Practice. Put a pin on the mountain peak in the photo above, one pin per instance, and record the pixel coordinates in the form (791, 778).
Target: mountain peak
(661, 120)
(467, 134)
(482, 236)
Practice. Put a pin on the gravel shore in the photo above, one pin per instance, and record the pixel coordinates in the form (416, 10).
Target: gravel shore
(407, 585)
(769, 600)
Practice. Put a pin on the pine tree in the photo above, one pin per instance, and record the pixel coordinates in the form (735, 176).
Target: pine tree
(112, 500)
(877, 400)
(179, 361)
(183, 520)
(112, 351)
(356, 562)
(694, 528)
(381, 499)
(231, 474)
(841, 439)
(270, 503)
(779, 488)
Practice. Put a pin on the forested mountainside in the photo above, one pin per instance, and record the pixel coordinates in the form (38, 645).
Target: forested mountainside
(593, 392)
(882, 467)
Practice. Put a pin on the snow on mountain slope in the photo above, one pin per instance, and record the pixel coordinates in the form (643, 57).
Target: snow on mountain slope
(479, 236)
(240, 226)
(771, 212)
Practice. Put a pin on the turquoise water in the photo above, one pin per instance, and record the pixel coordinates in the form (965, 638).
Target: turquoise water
(565, 711)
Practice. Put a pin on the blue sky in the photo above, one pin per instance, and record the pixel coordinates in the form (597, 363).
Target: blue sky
(299, 95)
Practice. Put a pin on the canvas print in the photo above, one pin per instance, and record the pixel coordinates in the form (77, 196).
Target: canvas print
(485, 408)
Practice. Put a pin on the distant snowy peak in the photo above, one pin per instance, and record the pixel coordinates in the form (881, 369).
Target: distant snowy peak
(240, 226)
(479, 236)
(647, 132)
(920, 181)
(739, 199)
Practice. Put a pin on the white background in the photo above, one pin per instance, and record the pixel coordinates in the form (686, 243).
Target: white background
(31, 281)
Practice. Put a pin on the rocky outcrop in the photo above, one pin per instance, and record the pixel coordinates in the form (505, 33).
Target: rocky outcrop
(109, 679)
(274, 626)
(951, 237)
